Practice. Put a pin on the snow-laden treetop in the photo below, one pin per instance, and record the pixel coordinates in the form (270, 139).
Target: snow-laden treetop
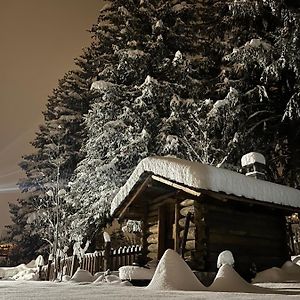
(206, 177)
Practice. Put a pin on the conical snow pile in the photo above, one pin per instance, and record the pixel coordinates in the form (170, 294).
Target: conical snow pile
(292, 270)
(269, 275)
(228, 280)
(82, 276)
(172, 273)
(289, 272)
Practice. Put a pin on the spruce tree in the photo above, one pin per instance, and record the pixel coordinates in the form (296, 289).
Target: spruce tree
(50, 167)
(262, 67)
(206, 81)
(150, 50)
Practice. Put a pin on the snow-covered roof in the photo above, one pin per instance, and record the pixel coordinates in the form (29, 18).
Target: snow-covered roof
(205, 177)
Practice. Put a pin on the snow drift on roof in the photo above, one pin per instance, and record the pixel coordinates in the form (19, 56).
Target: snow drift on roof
(199, 176)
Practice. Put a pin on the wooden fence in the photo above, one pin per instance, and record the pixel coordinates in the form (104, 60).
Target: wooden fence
(97, 261)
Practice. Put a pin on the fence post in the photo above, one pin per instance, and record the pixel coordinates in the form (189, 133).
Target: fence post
(102, 260)
(90, 263)
(107, 256)
(83, 262)
(107, 251)
(118, 259)
(62, 267)
(49, 267)
(130, 254)
(135, 255)
(97, 262)
(58, 267)
(69, 266)
(75, 265)
(124, 254)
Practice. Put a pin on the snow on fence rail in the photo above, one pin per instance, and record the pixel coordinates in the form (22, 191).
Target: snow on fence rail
(98, 261)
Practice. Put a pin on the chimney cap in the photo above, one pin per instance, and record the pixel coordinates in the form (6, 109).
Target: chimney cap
(252, 158)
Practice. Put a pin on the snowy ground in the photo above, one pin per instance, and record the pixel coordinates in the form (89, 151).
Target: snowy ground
(27, 290)
(172, 279)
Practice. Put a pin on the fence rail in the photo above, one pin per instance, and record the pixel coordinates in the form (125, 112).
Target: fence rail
(97, 261)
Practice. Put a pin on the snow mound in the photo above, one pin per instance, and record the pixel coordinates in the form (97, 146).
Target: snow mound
(228, 280)
(270, 275)
(112, 278)
(289, 272)
(225, 258)
(29, 275)
(6, 272)
(66, 278)
(82, 276)
(97, 275)
(22, 271)
(108, 279)
(172, 273)
(125, 283)
(135, 273)
(291, 268)
(31, 264)
(105, 279)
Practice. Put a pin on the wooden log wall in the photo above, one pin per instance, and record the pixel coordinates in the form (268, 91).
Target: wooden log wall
(187, 206)
(152, 240)
(253, 234)
(201, 237)
(151, 231)
(196, 243)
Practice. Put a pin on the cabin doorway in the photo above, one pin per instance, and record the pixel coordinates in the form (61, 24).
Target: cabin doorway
(166, 220)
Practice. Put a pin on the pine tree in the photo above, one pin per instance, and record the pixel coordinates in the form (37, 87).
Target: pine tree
(206, 81)
(254, 101)
(150, 50)
(28, 244)
(262, 67)
(48, 170)
(202, 80)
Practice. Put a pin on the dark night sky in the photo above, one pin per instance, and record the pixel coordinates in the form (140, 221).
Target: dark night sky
(39, 39)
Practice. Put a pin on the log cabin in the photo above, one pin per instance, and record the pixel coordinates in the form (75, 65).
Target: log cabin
(201, 210)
